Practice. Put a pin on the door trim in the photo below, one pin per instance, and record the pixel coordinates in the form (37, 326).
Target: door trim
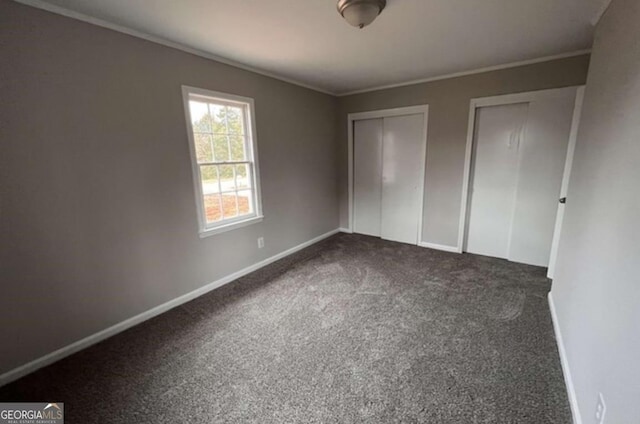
(484, 102)
(387, 113)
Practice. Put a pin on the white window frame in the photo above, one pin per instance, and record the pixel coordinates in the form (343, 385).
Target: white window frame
(247, 104)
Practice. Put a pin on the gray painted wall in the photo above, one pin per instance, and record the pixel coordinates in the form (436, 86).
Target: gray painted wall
(448, 118)
(97, 214)
(597, 286)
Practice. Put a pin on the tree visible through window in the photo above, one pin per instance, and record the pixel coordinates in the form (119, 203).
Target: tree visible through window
(223, 150)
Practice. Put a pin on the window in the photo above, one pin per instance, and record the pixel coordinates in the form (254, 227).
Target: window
(224, 159)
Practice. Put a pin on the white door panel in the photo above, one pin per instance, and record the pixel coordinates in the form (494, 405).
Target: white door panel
(498, 134)
(402, 174)
(367, 176)
(543, 155)
(577, 111)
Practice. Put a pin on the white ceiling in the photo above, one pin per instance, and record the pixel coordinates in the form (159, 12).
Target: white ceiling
(307, 41)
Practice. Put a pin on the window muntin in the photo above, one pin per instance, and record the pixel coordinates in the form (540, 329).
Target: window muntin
(222, 142)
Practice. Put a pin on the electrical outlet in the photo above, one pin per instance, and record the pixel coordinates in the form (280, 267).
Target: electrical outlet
(601, 409)
(260, 242)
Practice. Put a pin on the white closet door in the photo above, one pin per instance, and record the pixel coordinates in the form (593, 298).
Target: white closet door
(519, 158)
(577, 112)
(543, 154)
(498, 133)
(402, 174)
(367, 176)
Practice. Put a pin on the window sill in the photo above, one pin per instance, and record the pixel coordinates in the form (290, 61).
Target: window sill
(231, 226)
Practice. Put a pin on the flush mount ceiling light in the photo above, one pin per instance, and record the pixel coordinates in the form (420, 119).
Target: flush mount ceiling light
(360, 13)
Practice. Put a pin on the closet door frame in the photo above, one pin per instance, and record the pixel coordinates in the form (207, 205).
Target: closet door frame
(484, 102)
(387, 113)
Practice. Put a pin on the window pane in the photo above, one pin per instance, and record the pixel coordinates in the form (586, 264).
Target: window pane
(209, 175)
(243, 176)
(199, 116)
(229, 205)
(245, 202)
(227, 177)
(236, 143)
(204, 153)
(212, 209)
(218, 115)
(235, 124)
(221, 147)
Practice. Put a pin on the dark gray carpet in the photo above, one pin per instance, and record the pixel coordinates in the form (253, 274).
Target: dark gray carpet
(351, 330)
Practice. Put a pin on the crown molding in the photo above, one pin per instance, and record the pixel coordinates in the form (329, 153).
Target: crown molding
(471, 72)
(39, 4)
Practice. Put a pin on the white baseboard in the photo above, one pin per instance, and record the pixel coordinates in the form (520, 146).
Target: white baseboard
(442, 247)
(568, 381)
(84, 343)
(345, 230)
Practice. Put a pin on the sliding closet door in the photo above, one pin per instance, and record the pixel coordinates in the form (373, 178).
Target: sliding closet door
(367, 176)
(498, 133)
(543, 156)
(518, 161)
(402, 174)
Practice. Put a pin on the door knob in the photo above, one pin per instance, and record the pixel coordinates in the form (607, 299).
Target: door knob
(563, 200)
